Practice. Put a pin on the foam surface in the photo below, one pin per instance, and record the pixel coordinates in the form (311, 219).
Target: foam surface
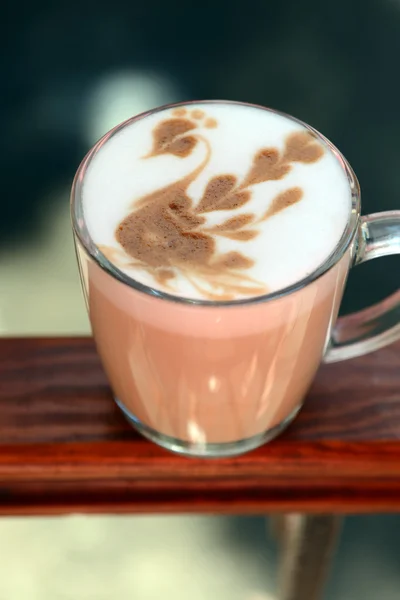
(286, 246)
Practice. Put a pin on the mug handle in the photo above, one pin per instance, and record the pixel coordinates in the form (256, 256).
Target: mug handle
(379, 325)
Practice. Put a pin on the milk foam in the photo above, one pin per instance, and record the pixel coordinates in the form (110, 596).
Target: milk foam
(288, 245)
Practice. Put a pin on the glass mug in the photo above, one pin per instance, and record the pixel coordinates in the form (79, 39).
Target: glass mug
(219, 378)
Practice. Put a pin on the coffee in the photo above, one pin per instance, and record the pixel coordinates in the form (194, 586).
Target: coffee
(216, 201)
(222, 202)
(199, 375)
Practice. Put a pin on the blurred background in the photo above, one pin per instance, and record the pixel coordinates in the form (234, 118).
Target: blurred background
(70, 71)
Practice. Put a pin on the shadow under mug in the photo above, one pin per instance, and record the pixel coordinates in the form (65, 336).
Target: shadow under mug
(219, 378)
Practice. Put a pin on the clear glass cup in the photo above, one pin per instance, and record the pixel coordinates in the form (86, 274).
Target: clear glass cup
(219, 378)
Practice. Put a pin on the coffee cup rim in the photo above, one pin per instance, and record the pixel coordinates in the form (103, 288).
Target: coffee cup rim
(93, 252)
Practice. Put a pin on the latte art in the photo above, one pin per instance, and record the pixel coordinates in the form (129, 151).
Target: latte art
(216, 201)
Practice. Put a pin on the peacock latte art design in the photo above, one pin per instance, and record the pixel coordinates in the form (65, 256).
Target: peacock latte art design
(167, 234)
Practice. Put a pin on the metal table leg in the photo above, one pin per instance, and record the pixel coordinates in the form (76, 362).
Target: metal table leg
(307, 543)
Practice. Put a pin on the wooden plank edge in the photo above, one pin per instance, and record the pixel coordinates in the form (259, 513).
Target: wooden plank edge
(339, 501)
(326, 460)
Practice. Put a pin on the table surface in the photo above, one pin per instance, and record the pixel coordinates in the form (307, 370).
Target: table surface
(65, 447)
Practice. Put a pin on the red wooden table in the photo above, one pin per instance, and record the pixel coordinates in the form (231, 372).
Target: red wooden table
(64, 445)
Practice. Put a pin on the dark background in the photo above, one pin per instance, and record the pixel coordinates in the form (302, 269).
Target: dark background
(332, 64)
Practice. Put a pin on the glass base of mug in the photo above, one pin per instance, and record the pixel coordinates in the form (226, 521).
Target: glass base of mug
(205, 450)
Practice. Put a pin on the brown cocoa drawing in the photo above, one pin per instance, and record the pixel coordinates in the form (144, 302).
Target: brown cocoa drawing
(166, 234)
